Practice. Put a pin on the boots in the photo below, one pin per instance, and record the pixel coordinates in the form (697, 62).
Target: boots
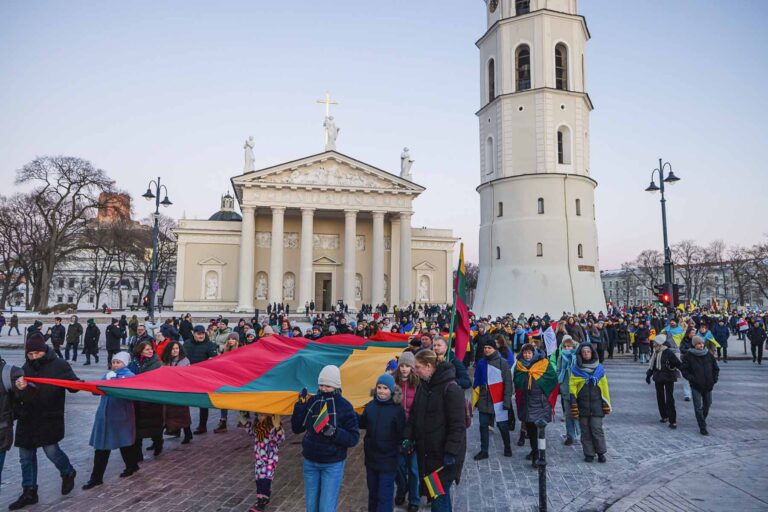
(221, 428)
(187, 435)
(28, 497)
(68, 483)
(261, 504)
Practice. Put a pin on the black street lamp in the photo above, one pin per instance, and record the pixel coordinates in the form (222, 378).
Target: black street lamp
(669, 179)
(153, 285)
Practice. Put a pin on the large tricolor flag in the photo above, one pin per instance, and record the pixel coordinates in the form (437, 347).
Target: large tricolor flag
(265, 376)
(460, 316)
(489, 375)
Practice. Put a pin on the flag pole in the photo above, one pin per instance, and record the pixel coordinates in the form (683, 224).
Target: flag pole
(453, 312)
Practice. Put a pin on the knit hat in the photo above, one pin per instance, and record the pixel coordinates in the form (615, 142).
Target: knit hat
(35, 343)
(388, 381)
(407, 358)
(697, 339)
(330, 376)
(250, 332)
(660, 339)
(122, 356)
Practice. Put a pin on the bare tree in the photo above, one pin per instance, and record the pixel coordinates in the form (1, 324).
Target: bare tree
(757, 267)
(141, 260)
(690, 260)
(647, 268)
(738, 259)
(717, 254)
(11, 269)
(64, 196)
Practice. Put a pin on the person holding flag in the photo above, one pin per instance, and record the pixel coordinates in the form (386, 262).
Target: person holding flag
(590, 401)
(459, 333)
(331, 428)
(492, 397)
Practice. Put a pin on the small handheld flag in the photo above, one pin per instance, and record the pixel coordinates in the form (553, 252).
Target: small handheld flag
(322, 419)
(434, 485)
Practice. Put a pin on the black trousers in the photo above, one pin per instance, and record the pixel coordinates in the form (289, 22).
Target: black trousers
(722, 350)
(101, 458)
(203, 423)
(57, 350)
(533, 436)
(600, 352)
(757, 351)
(665, 399)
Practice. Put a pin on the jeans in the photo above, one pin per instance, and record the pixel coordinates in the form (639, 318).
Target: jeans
(408, 478)
(224, 414)
(443, 503)
(702, 400)
(757, 352)
(665, 399)
(11, 328)
(69, 346)
(322, 482)
(2, 463)
(592, 435)
(28, 460)
(486, 420)
(381, 489)
(572, 428)
(687, 389)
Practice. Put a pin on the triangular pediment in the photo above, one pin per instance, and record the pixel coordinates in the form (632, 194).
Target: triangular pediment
(425, 265)
(329, 170)
(325, 260)
(211, 261)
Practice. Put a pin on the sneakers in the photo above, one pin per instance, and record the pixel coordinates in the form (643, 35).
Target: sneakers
(481, 456)
(601, 457)
(28, 497)
(568, 441)
(68, 483)
(221, 428)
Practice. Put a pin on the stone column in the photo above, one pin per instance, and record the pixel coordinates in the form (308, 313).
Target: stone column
(377, 264)
(247, 256)
(406, 297)
(394, 256)
(350, 232)
(181, 253)
(305, 266)
(449, 276)
(276, 255)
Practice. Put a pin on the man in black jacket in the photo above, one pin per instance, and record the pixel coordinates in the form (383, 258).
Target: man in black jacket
(200, 349)
(56, 333)
(41, 419)
(701, 370)
(74, 333)
(9, 374)
(114, 335)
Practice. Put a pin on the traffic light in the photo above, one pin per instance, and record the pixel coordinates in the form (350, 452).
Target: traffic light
(676, 294)
(662, 295)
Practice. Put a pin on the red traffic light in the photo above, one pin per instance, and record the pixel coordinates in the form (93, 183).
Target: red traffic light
(665, 298)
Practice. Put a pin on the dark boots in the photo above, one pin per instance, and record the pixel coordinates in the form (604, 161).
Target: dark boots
(28, 497)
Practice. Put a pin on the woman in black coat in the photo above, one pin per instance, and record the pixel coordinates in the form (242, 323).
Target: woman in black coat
(436, 423)
(91, 342)
(149, 416)
(663, 369)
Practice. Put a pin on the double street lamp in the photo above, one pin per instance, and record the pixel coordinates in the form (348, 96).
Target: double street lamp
(149, 195)
(669, 179)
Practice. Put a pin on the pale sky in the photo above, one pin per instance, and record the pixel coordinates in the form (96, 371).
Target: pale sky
(173, 88)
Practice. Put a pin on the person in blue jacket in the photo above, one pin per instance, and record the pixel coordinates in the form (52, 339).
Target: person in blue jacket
(113, 427)
(331, 427)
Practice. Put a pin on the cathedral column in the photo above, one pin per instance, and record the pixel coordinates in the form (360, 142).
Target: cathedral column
(377, 265)
(181, 257)
(350, 232)
(247, 257)
(394, 256)
(276, 255)
(406, 297)
(305, 267)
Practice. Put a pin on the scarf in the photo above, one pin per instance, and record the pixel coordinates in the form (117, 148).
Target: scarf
(527, 367)
(590, 372)
(566, 356)
(656, 358)
(698, 352)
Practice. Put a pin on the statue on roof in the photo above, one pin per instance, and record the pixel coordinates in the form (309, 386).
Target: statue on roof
(331, 132)
(250, 160)
(405, 165)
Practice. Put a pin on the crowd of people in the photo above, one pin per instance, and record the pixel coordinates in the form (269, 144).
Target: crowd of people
(518, 369)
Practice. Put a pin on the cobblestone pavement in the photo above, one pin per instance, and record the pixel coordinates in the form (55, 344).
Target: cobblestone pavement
(650, 467)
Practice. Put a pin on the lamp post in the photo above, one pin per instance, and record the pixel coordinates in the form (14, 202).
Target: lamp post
(149, 195)
(670, 179)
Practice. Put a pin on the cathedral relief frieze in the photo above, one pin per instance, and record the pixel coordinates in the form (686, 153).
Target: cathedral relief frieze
(326, 199)
(328, 174)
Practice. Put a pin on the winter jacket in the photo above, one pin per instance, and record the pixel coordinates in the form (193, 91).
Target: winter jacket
(199, 352)
(149, 416)
(408, 393)
(170, 332)
(756, 335)
(91, 339)
(221, 338)
(669, 364)
(114, 336)
(384, 423)
(8, 394)
(462, 375)
(316, 446)
(721, 334)
(114, 425)
(41, 412)
(133, 325)
(479, 342)
(588, 390)
(485, 400)
(185, 330)
(643, 335)
(532, 401)
(56, 334)
(700, 370)
(686, 344)
(74, 331)
(436, 424)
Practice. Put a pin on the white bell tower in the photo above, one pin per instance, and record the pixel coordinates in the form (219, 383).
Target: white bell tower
(538, 237)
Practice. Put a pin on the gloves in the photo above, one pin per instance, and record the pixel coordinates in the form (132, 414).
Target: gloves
(406, 447)
(449, 460)
(648, 378)
(606, 409)
(575, 411)
(329, 430)
(303, 396)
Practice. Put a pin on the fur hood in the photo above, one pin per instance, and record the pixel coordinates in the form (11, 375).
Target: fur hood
(397, 397)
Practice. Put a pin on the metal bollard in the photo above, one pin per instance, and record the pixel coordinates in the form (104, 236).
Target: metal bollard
(542, 464)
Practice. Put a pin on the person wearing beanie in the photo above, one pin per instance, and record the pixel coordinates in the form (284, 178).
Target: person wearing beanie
(700, 369)
(330, 427)
(663, 369)
(114, 427)
(407, 479)
(41, 419)
(384, 421)
(590, 401)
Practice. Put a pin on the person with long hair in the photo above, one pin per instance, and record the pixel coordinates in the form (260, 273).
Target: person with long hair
(149, 416)
(407, 480)
(268, 434)
(177, 417)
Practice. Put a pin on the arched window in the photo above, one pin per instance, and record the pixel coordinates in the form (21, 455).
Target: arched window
(498, 252)
(501, 209)
(491, 80)
(580, 251)
(539, 250)
(578, 207)
(540, 204)
(563, 145)
(523, 67)
(522, 7)
(561, 67)
(490, 156)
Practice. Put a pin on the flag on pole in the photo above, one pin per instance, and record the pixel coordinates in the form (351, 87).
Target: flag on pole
(322, 419)
(433, 484)
(460, 315)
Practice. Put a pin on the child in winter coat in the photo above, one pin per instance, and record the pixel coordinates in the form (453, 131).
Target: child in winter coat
(268, 434)
(590, 401)
(384, 420)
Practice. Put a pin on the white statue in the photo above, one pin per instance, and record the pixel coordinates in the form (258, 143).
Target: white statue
(249, 158)
(405, 165)
(331, 132)
(289, 285)
(261, 286)
(424, 289)
(358, 287)
(211, 286)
